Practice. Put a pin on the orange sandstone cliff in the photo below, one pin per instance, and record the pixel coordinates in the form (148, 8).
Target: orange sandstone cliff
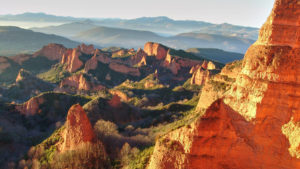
(257, 122)
(78, 129)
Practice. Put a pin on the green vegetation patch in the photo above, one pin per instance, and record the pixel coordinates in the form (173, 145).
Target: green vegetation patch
(142, 159)
(183, 54)
(55, 74)
(38, 64)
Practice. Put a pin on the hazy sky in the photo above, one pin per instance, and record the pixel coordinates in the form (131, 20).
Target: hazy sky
(241, 12)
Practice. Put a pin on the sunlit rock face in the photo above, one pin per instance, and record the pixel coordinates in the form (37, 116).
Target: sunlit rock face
(71, 60)
(51, 51)
(31, 107)
(78, 129)
(139, 59)
(273, 60)
(156, 49)
(257, 122)
(200, 76)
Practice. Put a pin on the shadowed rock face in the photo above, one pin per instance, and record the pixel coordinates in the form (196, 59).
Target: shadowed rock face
(78, 129)
(256, 125)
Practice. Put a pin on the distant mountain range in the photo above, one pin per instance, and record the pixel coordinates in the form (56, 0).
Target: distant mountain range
(14, 40)
(38, 17)
(133, 33)
(161, 25)
(88, 32)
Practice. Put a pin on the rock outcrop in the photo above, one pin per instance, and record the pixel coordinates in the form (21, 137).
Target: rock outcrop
(71, 60)
(51, 51)
(79, 82)
(216, 87)
(256, 124)
(86, 49)
(24, 75)
(156, 49)
(139, 59)
(122, 68)
(92, 63)
(26, 86)
(200, 75)
(31, 107)
(78, 129)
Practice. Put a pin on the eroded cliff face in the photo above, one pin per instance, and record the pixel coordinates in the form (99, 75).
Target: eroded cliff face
(71, 60)
(256, 124)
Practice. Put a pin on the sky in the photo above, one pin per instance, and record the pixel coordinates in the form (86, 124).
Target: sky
(239, 12)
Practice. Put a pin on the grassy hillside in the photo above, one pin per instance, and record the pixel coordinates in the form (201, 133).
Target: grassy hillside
(216, 54)
(105, 36)
(14, 40)
(67, 30)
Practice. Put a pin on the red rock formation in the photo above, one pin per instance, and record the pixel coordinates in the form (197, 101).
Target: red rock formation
(218, 85)
(92, 63)
(79, 82)
(31, 107)
(78, 129)
(51, 51)
(120, 94)
(200, 76)
(139, 58)
(115, 101)
(156, 49)
(71, 60)
(124, 69)
(89, 50)
(256, 125)
(104, 58)
(282, 26)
